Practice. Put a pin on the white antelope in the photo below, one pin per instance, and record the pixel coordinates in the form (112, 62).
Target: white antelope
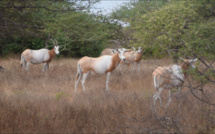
(39, 56)
(170, 77)
(133, 57)
(100, 65)
(108, 51)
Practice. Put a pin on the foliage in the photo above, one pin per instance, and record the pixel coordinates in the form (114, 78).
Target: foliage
(81, 33)
(163, 28)
(33, 20)
(130, 12)
(18, 45)
(170, 27)
(200, 40)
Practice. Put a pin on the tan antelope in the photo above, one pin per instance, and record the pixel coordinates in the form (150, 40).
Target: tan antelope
(170, 77)
(108, 51)
(132, 57)
(100, 65)
(39, 56)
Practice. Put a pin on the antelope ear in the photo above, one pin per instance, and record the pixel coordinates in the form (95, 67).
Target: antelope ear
(195, 60)
(114, 51)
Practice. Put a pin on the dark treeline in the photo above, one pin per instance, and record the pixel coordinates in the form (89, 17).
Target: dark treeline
(160, 27)
(31, 24)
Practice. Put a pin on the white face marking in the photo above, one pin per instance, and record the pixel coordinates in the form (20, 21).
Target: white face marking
(191, 62)
(121, 53)
(139, 49)
(56, 49)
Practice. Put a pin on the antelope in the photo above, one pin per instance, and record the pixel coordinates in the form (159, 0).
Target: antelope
(170, 77)
(108, 51)
(133, 57)
(39, 56)
(99, 65)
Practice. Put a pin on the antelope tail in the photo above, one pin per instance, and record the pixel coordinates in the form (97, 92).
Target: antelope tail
(79, 72)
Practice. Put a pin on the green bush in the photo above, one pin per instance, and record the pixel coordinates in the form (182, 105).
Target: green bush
(20, 44)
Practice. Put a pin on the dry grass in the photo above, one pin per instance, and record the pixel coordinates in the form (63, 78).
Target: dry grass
(45, 102)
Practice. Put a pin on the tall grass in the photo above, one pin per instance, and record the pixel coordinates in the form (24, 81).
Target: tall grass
(45, 102)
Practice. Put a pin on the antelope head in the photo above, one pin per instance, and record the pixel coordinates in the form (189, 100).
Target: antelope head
(139, 50)
(56, 46)
(121, 53)
(133, 48)
(189, 62)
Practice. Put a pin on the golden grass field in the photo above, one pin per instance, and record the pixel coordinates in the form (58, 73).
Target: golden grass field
(45, 102)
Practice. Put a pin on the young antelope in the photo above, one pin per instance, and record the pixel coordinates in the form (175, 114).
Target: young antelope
(170, 77)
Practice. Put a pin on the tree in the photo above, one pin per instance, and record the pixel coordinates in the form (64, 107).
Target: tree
(25, 19)
(132, 13)
(179, 29)
(82, 33)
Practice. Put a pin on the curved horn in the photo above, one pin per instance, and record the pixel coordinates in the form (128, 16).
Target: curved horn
(56, 42)
(53, 41)
(117, 43)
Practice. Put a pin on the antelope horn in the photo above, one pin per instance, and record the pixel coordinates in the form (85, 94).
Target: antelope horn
(56, 42)
(53, 42)
(117, 43)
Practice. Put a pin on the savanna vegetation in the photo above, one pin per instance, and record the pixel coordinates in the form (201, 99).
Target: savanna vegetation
(46, 103)
(165, 29)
